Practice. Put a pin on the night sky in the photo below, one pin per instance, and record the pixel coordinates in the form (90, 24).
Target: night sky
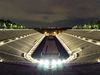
(49, 10)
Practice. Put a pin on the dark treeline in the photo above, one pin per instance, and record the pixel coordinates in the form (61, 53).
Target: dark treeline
(95, 25)
(7, 24)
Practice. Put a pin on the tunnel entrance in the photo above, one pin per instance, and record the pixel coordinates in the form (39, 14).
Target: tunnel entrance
(51, 48)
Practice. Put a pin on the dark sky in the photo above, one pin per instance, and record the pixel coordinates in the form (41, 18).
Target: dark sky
(49, 10)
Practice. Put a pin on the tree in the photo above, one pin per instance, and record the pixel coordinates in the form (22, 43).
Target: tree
(7, 24)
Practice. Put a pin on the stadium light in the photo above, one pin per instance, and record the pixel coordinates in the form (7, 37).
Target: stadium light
(84, 38)
(46, 33)
(2, 42)
(21, 36)
(16, 38)
(1, 60)
(41, 62)
(47, 62)
(55, 33)
(53, 64)
(59, 62)
(98, 43)
(90, 40)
